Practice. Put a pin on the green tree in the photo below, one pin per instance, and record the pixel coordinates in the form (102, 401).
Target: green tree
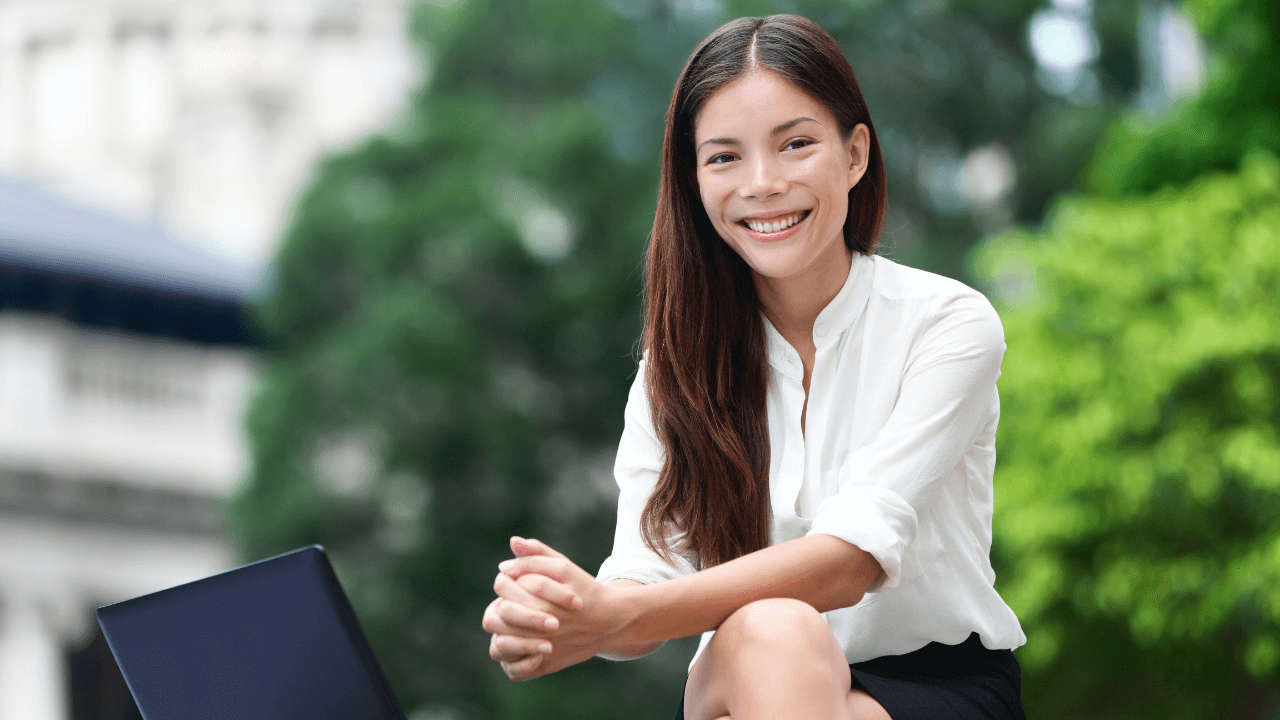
(452, 327)
(1139, 474)
(1238, 110)
(1138, 484)
(946, 78)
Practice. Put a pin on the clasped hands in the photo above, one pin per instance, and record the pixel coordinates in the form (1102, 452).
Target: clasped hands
(549, 613)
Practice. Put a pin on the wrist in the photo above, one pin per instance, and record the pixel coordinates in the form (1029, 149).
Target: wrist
(624, 605)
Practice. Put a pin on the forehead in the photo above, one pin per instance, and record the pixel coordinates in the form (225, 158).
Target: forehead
(754, 104)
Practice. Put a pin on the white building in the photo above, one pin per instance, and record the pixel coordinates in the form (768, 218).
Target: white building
(150, 151)
(124, 370)
(204, 115)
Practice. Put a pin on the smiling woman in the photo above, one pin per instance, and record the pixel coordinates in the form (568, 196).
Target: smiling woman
(806, 469)
(763, 184)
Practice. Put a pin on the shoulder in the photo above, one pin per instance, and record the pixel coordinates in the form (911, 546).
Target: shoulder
(638, 395)
(892, 281)
(932, 304)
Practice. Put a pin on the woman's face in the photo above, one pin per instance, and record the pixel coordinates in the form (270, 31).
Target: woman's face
(774, 175)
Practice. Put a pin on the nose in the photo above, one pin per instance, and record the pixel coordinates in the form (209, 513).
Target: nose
(764, 179)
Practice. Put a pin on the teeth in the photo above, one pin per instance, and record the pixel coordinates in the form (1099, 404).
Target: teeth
(775, 225)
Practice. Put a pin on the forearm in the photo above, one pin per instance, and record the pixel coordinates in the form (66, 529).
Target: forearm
(822, 570)
(633, 650)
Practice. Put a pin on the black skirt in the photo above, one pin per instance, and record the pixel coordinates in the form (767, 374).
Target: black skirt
(964, 682)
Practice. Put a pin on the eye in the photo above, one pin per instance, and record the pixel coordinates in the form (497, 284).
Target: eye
(719, 159)
(797, 144)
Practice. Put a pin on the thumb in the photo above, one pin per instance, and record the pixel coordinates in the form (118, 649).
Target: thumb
(522, 547)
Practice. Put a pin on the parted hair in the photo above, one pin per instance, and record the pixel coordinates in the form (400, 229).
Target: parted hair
(706, 369)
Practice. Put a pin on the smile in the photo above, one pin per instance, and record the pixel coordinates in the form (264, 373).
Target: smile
(774, 225)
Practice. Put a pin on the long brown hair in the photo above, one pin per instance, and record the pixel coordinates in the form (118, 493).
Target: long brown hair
(707, 371)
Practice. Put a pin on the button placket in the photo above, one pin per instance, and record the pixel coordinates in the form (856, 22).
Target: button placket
(793, 453)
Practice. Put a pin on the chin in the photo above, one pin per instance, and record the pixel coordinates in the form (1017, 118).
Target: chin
(775, 270)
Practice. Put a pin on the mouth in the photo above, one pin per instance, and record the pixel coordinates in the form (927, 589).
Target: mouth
(775, 227)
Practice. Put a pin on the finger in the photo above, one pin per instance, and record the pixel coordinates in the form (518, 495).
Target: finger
(495, 623)
(550, 590)
(557, 569)
(508, 589)
(510, 648)
(515, 605)
(504, 662)
(521, 547)
(526, 620)
(528, 546)
(490, 620)
(523, 669)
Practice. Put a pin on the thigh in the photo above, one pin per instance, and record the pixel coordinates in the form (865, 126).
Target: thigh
(864, 707)
(860, 703)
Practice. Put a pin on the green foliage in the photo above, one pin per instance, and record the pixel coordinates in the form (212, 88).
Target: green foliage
(1138, 479)
(1139, 474)
(945, 78)
(1238, 110)
(453, 330)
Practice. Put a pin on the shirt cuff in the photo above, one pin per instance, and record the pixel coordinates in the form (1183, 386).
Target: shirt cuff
(647, 568)
(876, 520)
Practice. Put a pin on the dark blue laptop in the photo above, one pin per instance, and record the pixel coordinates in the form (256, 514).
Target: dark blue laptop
(274, 640)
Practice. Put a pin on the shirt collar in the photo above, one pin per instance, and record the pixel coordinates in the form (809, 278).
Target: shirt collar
(839, 314)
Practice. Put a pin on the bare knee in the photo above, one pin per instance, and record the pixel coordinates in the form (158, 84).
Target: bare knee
(767, 652)
(775, 621)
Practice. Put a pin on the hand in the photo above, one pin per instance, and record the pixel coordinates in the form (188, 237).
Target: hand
(589, 616)
(521, 622)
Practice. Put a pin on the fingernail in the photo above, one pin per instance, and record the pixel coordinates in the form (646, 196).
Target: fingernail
(577, 603)
(551, 623)
(544, 648)
(505, 565)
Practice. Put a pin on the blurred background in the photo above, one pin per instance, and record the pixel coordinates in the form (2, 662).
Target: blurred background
(367, 273)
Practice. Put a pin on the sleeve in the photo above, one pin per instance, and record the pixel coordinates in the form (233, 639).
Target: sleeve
(640, 458)
(944, 401)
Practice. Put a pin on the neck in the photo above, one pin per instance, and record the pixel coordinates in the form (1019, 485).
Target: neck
(793, 304)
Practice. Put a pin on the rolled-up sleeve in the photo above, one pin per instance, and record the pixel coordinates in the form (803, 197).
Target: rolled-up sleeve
(945, 398)
(640, 459)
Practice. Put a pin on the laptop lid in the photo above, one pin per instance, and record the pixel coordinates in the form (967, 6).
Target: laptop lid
(273, 640)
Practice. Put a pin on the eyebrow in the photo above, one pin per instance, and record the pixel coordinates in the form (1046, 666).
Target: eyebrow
(779, 129)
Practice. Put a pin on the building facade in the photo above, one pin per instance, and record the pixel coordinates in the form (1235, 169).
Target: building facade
(150, 151)
(203, 115)
(125, 366)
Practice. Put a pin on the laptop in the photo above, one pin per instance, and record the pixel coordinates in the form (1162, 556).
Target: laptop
(273, 640)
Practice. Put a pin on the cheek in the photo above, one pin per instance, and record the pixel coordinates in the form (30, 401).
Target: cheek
(839, 206)
(708, 205)
(711, 203)
(837, 181)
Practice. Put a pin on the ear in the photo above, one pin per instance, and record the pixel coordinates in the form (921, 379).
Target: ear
(859, 148)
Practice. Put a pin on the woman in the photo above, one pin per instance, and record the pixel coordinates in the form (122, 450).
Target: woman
(806, 468)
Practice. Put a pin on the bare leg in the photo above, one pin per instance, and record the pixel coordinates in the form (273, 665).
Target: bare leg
(775, 659)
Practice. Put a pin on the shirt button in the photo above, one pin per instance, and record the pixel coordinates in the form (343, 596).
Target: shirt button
(821, 330)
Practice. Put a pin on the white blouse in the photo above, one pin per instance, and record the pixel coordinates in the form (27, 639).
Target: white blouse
(896, 458)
